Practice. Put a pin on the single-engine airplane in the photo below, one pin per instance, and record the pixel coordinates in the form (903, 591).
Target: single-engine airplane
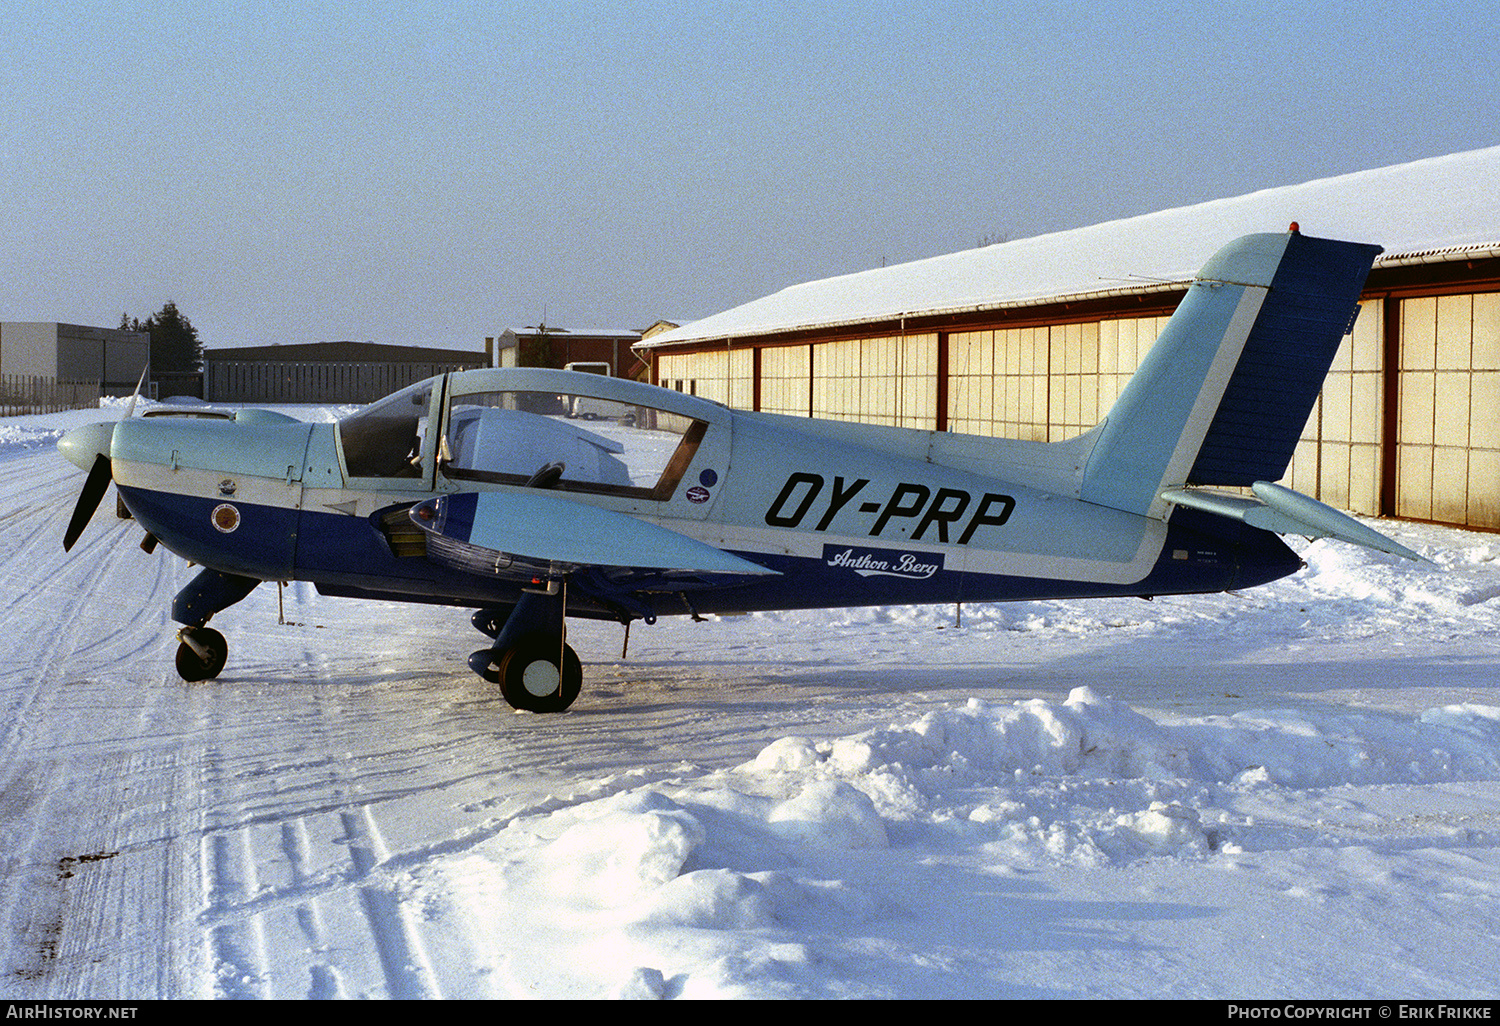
(533, 495)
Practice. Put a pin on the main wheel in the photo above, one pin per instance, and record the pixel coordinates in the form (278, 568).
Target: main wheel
(531, 679)
(195, 665)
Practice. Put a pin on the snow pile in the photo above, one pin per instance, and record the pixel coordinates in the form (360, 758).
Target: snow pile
(779, 877)
(642, 895)
(935, 855)
(16, 439)
(1094, 736)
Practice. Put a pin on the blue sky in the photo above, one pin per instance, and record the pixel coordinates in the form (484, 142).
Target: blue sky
(429, 174)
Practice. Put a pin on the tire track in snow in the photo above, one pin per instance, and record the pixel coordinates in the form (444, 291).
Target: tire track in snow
(31, 900)
(237, 944)
(107, 789)
(126, 857)
(320, 916)
(80, 892)
(77, 597)
(325, 980)
(408, 973)
(37, 662)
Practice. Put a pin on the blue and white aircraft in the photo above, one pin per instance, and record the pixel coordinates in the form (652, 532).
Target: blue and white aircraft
(533, 495)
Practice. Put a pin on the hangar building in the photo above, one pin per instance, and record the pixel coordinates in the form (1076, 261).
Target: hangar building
(110, 357)
(325, 372)
(549, 346)
(1034, 338)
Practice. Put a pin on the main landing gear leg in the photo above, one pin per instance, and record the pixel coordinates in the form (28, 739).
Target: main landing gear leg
(203, 650)
(535, 667)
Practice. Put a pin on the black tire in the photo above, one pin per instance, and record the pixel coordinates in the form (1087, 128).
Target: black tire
(530, 666)
(191, 666)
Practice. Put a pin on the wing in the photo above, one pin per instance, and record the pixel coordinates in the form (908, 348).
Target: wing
(537, 534)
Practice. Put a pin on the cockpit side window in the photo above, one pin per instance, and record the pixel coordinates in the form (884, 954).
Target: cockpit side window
(584, 443)
(385, 438)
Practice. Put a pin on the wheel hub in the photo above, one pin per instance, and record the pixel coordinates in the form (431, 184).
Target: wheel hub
(540, 678)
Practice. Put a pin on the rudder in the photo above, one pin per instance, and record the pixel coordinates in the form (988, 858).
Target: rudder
(1223, 396)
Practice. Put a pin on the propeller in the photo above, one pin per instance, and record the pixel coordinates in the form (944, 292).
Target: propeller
(94, 487)
(88, 448)
(130, 409)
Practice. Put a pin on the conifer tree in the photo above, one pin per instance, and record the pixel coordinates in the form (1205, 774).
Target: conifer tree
(174, 340)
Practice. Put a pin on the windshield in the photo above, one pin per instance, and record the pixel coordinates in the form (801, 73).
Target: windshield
(385, 438)
(572, 442)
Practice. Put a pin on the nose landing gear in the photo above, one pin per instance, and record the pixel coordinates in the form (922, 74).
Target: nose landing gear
(203, 651)
(202, 654)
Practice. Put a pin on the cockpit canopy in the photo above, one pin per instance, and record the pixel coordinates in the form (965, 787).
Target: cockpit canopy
(576, 442)
(572, 440)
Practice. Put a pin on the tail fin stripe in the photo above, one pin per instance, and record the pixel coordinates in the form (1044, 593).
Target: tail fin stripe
(1223, 396)
(1286, 358)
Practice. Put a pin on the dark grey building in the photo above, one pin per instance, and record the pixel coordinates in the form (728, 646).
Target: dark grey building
(325, 372)
(109, 357)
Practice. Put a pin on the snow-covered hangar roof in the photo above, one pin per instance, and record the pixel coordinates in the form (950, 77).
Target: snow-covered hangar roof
(1440, 208)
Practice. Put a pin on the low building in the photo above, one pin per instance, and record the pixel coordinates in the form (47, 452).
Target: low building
(547, 346)
(111, 358)
(1034, 338)
(325, 372)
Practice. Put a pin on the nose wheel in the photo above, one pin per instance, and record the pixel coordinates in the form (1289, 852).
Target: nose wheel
(203, 650)
(202, 653)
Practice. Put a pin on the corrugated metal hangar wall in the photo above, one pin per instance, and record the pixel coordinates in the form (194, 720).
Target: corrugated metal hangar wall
(324, 372)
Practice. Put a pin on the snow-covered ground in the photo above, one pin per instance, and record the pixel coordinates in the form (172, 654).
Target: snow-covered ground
(1288, 792)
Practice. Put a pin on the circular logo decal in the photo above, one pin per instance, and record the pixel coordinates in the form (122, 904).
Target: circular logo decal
(225, 517)
(708, 478)
(696, 494)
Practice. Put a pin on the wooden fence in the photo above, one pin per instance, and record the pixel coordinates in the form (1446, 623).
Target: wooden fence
(31, 393)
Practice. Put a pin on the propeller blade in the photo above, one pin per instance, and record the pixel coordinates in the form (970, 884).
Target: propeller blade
(94, 487)
(130, 409)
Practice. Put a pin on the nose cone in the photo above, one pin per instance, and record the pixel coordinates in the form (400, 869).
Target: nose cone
(81, 445)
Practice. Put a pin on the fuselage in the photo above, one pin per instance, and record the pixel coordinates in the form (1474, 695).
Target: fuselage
(845, 515)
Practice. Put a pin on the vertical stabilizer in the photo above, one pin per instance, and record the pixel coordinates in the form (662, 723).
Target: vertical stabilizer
(1224, 394)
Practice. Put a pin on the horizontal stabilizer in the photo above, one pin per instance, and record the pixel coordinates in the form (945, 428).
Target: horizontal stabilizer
(539, 527)
(1283, 511)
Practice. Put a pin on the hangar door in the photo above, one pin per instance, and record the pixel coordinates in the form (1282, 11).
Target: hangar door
(1448, 423)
